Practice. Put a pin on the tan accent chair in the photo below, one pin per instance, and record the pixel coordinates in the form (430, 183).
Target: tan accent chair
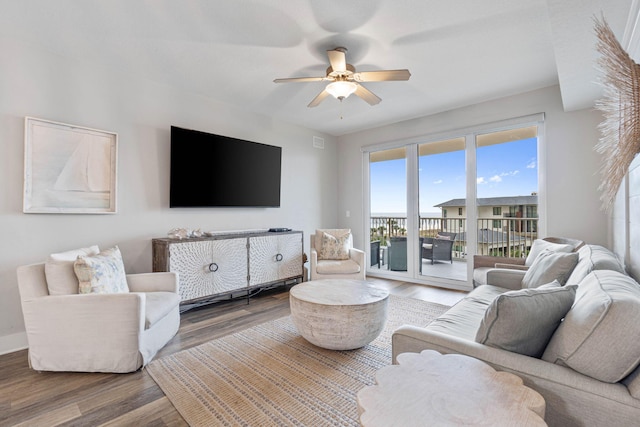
(98, 332)
(483, 263)
(352, 268)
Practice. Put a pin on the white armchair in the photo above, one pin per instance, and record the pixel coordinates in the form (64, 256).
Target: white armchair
(345, 263)
(118, 332)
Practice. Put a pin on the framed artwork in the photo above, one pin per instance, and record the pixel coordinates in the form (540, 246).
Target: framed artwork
(69, 169)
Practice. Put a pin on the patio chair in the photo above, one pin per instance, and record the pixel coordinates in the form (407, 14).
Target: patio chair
(439, 248)
(398, 253)
(375, 253)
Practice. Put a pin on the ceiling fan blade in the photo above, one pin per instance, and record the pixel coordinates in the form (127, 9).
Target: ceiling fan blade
(381, 76)
(367, 95)
(318, 99)
(300, 80)
(338, 60)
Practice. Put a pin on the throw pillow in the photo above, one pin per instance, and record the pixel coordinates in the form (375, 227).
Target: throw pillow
(58, 270)
(595, 338)
(336, 232)
(550, 266)
(335, 247)
(524, 321)
(102, 273)
(540, 246)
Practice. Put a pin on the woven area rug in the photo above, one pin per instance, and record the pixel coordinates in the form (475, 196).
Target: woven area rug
(268, 375)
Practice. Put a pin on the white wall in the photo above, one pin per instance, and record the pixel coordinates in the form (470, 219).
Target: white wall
(573, 205)
(36, 83)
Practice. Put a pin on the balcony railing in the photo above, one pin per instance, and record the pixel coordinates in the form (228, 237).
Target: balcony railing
(504, 236)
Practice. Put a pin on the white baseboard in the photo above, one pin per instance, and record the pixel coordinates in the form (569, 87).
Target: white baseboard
(13, 342)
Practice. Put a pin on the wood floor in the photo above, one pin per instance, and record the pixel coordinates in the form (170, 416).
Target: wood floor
(29, 398)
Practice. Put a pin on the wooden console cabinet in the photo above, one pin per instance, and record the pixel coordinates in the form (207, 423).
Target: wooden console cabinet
(209, 267)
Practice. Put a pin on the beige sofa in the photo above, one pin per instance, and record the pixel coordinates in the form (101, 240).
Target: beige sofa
(587, 371)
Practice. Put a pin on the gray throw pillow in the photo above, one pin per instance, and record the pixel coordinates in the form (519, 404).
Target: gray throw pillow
(550, 266)
(524, 321)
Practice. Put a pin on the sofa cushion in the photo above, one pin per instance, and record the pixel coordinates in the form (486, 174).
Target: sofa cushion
(632, 381)
(591, 258)
(102, 273)
(550, 266)
(158, 305)
(480, 276)
(540, 246)
(596, 337)
(58, 269)
(463, 319)
(335, 247)
(523, 321)
(330, 266)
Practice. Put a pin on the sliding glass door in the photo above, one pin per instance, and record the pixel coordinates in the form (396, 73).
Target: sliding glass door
(507, 191)
(442, 183)
(388, 208)
(434, 203)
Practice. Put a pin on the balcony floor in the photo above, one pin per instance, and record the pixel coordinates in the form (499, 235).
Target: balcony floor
(442, 269)
(456, 270)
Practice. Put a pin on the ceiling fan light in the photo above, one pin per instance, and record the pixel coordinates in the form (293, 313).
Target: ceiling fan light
(341, 89)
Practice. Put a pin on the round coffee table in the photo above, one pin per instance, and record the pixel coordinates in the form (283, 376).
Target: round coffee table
(338, 314)
(450, 389)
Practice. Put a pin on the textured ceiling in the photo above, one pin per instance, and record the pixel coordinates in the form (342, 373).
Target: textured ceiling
(459, 53)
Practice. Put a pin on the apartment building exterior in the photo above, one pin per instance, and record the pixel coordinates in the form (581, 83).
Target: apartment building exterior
(506, 225)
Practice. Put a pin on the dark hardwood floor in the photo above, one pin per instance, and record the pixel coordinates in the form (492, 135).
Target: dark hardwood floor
(30, 398)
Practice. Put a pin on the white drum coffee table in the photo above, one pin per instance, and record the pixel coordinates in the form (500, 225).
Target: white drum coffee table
(338, 314)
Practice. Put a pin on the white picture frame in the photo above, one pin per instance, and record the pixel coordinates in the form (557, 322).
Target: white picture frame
(69, 169)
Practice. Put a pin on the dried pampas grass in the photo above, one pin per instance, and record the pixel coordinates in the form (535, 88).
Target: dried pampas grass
(620, 140)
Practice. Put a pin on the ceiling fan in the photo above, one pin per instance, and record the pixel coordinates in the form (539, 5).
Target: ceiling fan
(345, 80)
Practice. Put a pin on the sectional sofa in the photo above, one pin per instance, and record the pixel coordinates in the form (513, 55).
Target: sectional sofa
(575, 340)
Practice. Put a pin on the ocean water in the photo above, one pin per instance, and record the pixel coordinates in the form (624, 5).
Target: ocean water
(404, 214)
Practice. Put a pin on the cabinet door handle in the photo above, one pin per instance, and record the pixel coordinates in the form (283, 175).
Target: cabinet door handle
(213, 267)
(279, 257)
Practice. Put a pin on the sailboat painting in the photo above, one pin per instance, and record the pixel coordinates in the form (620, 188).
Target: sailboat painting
(69, 169)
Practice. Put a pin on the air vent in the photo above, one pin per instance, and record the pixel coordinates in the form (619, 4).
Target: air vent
(318, 142)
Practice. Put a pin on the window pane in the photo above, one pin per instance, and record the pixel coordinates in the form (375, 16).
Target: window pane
(507, 181)
(388, 196)
(442, 189)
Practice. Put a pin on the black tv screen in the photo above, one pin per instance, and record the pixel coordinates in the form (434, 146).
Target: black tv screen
(210, 170)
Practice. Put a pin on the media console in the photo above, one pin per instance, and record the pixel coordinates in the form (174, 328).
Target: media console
(210, 268)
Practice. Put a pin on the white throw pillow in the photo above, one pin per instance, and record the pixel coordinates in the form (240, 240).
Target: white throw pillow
(336, 232)
(335, 247)
(524, 321)
(102, 273)
(58, 269)
(540, 246)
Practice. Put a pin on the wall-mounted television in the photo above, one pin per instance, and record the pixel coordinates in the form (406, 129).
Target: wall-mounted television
(209, 170)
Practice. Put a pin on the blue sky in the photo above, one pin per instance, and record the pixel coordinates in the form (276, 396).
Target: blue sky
(508, 169)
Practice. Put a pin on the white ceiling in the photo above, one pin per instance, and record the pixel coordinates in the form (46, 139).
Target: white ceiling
(459, 53)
